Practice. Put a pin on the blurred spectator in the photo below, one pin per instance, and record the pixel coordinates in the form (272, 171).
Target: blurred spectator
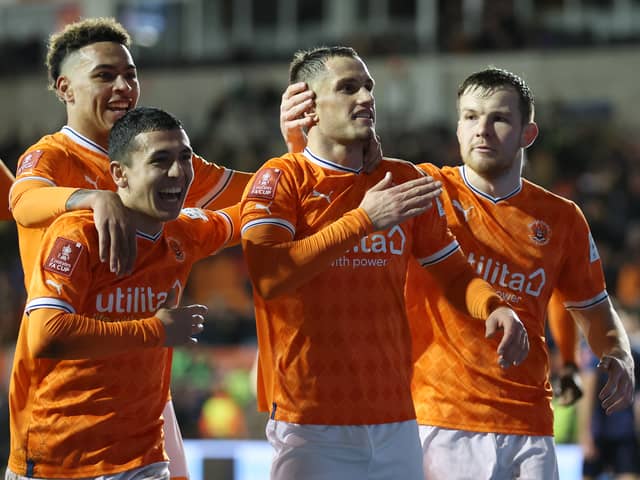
(609, 442)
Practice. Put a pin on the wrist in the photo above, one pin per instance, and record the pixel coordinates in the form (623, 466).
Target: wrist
(84, 199)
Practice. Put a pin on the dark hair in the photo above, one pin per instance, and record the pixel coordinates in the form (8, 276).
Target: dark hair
(493, 78)
(139, 120)
(80, 34)
(307, 64)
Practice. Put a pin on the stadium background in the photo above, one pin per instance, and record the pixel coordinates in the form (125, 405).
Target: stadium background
(221, 66)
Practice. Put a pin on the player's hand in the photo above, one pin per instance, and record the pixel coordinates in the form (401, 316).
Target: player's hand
(296, 101)
(617, 394)
(116, 232)
(180, 323)
(372, 154)
(568, 387)
(514, 346)
(387, 204)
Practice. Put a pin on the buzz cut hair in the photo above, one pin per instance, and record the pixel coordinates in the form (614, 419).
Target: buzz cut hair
(122, 137)
(493, 78)
(77, 35)
(306, 65)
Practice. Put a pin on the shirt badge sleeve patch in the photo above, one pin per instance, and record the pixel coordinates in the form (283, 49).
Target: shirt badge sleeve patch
(264, 184)
(63, 257)
(29, 161)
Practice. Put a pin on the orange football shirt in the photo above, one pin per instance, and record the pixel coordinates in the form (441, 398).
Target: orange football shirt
(334, 346)
(526, 244)
(101, 412)
(68, 159)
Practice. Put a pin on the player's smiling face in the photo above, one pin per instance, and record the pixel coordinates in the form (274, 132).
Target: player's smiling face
(344, 102)
(490, 130)
(159, 176)
(99, 84)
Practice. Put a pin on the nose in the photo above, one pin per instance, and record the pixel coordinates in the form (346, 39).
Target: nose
(483, 127)
(176, 170)
(366, 96)
(122, 83)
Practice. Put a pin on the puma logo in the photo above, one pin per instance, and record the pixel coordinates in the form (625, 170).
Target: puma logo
(262, 206)
(92, 182)
(55, 285)
(326, 196)
(459, 206)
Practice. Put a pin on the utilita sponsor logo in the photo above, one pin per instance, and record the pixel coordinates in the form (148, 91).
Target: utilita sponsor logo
(364, 253)
(391, 242)
(133, 300)
(499, 274)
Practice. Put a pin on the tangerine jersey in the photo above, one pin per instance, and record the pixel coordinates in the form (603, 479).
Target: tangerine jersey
(61, 163)
(97, 408)
(526, 244)
(333, 337)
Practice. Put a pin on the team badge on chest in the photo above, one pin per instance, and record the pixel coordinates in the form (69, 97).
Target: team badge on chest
(540, 232)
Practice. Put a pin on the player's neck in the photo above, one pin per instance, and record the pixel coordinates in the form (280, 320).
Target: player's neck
(144, 223)
(89, 132)
(496, 185)
(350, 156)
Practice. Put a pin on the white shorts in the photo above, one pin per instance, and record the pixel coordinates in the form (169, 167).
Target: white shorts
(350, 452)
(154, 471)
(464, 455)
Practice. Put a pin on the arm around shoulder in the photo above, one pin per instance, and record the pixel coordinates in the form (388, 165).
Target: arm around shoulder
(35, 203)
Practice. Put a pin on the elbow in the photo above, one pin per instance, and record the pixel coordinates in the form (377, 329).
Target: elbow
(41, 341)
(268, 286)
(44, 348)
(21, 216)
(266, 289)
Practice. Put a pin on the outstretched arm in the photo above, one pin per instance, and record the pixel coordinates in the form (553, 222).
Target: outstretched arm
(475, 297)
(53, 333)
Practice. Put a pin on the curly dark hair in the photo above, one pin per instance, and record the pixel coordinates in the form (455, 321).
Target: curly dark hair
(80, 34)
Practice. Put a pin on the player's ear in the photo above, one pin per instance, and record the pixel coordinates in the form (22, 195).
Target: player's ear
(529, 134)
(64, 90)
(118, 174)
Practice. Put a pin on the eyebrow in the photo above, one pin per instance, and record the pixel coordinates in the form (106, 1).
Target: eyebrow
(109, 66)
(344, 80)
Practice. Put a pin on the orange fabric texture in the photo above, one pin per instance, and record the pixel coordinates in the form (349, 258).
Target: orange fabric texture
(93, 404)
(67, 159)
(526, 245)
(563, 329)
(334, 344)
